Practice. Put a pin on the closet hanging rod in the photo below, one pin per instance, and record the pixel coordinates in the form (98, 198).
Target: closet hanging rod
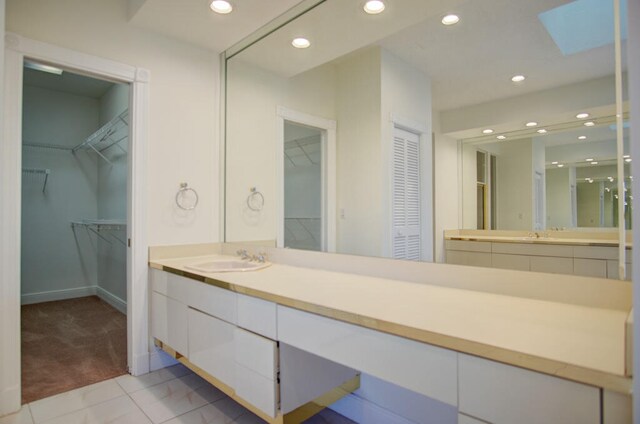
(46, 146)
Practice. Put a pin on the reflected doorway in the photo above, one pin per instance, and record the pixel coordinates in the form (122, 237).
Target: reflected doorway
(303, 186)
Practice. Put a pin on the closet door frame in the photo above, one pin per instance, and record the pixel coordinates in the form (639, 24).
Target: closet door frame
(17, 48)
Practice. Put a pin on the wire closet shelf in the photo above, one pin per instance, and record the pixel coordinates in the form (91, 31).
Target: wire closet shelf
(97, 226)
(110, 134)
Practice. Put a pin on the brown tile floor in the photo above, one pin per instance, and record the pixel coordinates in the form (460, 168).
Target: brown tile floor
(69, 344)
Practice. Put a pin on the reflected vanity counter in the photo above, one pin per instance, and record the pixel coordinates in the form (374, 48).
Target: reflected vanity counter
(589, 254)
(545, 344)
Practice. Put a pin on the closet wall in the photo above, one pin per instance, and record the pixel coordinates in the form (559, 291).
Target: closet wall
(59, 261)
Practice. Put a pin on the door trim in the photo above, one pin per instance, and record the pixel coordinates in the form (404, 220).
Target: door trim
(16, 49)
(328, 172)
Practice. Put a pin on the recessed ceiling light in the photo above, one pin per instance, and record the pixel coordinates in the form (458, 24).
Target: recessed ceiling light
(300, 43)
(221, 6)
(594, 163)
(627, 160)
(542, 131)
(450, 20)
(582, 137)
(626, 156)
(554, 163)
(582, 115)
(43, 68)
(589, 159)
(501, 137)
(373, 7)
(487, 131)
(587, 179)
(560, 165)
(531, 124)
(589, 124)
(518, 78)
(590, 181)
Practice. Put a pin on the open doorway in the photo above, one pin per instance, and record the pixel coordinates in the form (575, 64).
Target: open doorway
(303, 187)
(75, 143)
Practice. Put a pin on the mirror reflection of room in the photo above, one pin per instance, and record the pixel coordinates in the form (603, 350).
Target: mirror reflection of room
(527, 142)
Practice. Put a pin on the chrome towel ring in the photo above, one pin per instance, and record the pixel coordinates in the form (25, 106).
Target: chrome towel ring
(186, 197)
(255, 200)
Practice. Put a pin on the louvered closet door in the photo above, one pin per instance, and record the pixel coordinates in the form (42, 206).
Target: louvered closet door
(406, 196)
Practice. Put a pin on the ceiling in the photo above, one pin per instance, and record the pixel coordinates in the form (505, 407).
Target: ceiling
(68, 83)
(193, 22)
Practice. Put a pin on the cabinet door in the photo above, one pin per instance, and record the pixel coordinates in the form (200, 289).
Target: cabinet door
(211, 346)
(169, 322)
(256, 370)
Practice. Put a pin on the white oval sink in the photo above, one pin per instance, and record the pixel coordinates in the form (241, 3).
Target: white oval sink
(228, 265)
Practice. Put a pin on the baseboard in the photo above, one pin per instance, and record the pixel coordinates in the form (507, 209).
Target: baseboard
(158, 359)
(9, 400)
(53, 295)
(112, 300)
(363, 411)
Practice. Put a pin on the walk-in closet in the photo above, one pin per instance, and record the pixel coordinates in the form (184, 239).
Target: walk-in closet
(75, 134)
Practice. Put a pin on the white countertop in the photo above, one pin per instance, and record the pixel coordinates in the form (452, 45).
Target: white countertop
(576, 342)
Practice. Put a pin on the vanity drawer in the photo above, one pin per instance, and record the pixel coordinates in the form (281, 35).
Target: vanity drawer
(212, 346)
(456, 257)
(532, 249)
(215, 301)
(257, 315)
(170, 285)
(256, 389)
(169, 322)
(500, 393)
(425, 369)
(256, 353)
(551, 265)
(468, 246)
(590, 267)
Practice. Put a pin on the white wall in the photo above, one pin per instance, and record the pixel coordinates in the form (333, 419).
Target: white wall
(446, 187)
(588, 204)
(360, 191)
(514, 170)
(54, 257)
(184, 97)
(558, 194)
(538, 167)
(112, 200)
(469, 187)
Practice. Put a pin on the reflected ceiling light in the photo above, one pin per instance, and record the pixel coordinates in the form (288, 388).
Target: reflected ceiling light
(542, 131)
(531, 124)
(594, 163)
(44, 68)
(607, 189)
(221, 6)
(587, 179)
(626, 156)
(450, 20)
(518, 78)
(582, 115)
(627, 160)
(554, 163)
(560, 165)
(487, 131)
(501, 137)
(582, 137)
(590, 181)
(589, 124)
(373, 7)
(300, 43)
(589, 159)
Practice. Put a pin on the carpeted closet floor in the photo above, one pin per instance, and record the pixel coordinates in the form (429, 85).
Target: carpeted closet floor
(69, 344)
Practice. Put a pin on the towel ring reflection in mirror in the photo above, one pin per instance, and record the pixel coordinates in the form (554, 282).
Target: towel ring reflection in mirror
(186, 197)
(255, 200)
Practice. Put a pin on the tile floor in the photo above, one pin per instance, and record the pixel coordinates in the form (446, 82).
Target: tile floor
(171, 395)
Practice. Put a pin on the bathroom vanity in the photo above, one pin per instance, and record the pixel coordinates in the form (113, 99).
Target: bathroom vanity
(499, 346)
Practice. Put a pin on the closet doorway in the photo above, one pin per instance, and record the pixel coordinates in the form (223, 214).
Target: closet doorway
(75, 144)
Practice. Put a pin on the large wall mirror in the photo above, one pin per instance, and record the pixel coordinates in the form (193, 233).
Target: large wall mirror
(370, 134)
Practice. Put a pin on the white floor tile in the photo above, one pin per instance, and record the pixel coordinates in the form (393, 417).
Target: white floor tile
(121, 410)
(21, 417)
(175, 397)
(74, 400)
(249, 419)
(223, 411)
(131, 384)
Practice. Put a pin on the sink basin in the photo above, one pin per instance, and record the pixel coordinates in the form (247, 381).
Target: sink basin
(228, 265)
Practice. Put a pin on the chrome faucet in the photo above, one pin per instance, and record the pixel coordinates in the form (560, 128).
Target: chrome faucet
(243, 254)
(260, 257)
